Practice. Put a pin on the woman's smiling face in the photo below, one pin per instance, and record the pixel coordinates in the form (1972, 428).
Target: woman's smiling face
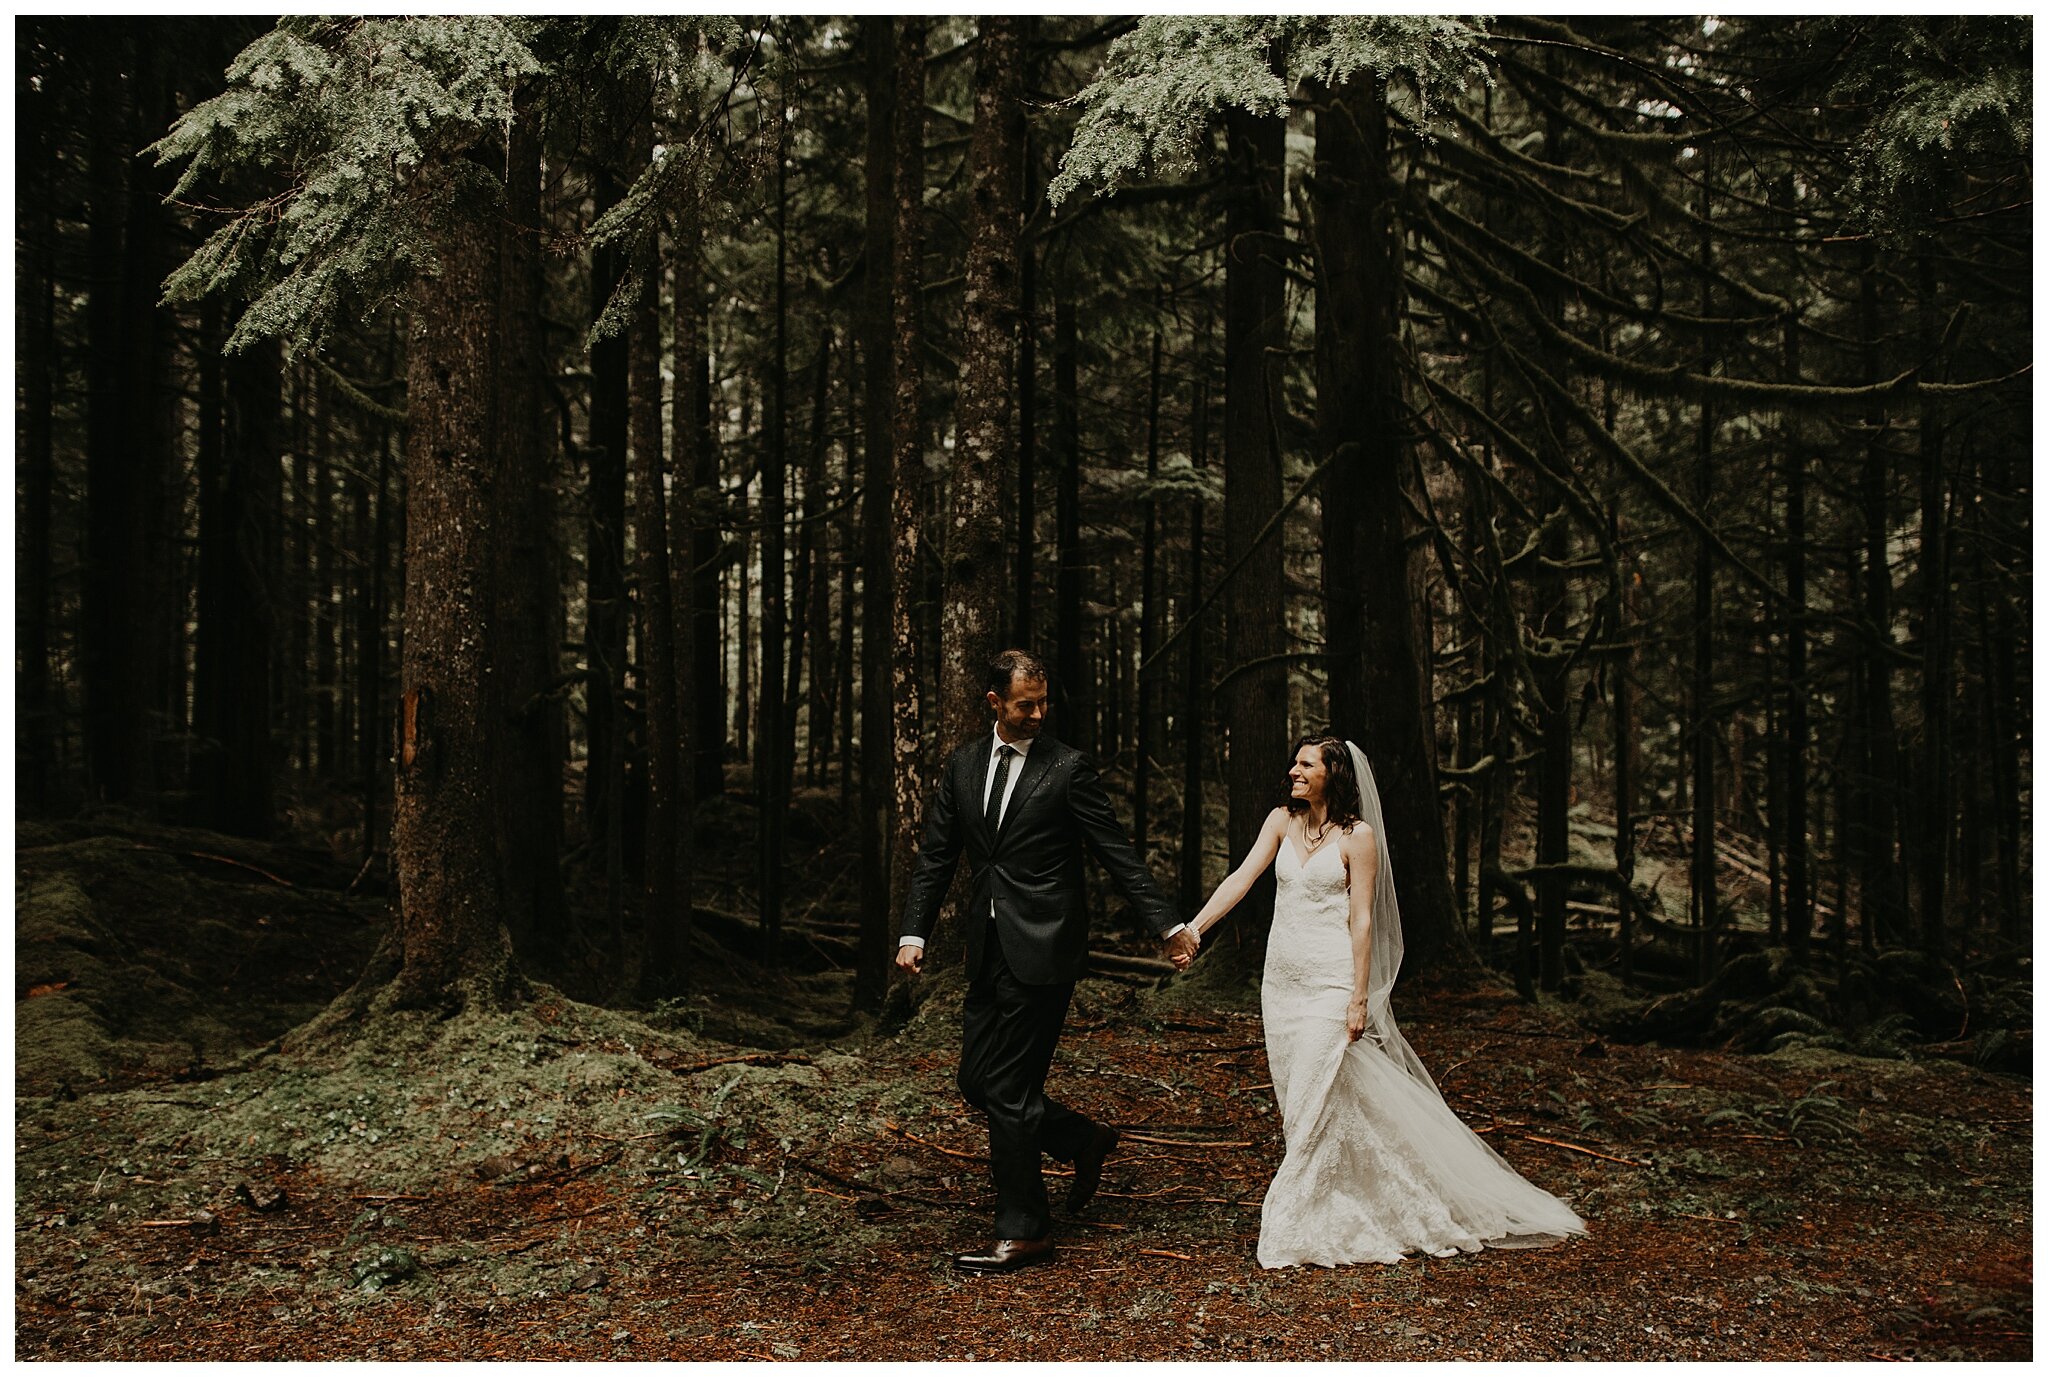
(1308, 775)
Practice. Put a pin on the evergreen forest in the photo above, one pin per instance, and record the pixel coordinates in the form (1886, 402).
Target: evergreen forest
(512, 512)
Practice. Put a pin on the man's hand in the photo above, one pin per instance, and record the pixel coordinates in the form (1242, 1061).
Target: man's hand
(1182, 946)
(910, 958)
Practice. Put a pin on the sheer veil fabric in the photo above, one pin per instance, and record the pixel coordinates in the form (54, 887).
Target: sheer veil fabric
(1377, 1165)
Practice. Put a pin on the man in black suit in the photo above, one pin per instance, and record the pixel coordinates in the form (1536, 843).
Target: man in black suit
(1023, 806)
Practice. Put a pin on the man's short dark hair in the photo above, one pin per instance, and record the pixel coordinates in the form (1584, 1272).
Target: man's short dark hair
(1004, 668)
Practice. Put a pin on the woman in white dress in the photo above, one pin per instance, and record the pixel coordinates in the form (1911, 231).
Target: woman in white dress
(1377, 1165)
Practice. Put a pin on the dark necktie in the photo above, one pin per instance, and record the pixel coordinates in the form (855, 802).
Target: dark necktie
(993, 811)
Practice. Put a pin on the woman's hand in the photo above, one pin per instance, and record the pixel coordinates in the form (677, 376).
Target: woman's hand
(1354, 1018)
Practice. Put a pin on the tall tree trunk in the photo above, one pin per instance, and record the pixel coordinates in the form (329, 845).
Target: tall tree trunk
(1554, 763)
(374, 745)
(1075, 696)
(667, 839)
(1377, 696)
(531, 733)
(878, 545)
(1705, 906)
(35, 718)
(665, 965)
(907, 488)
(604, 629)
(451, 933)
(326, 654)
(1027, 413)
(977, 577)
(772, 731)
(743, 650)
(125, 451)
(294, 648)
(1254, 679)
(238, 597)
(1625, 624)
(1935, 796)
(1883, 890)
(699, 445)
(1196, 674)
(813, 612)
(1148, 619)
(1798, 902)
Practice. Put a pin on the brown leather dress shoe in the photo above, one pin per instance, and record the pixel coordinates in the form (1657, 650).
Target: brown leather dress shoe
(1008, 1255)
(1088, 1167)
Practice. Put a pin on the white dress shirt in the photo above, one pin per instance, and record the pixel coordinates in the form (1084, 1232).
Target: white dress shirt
(1022, 748)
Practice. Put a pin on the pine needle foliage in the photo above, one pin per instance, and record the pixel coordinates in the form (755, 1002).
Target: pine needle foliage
(360, 120)
(1162, 83)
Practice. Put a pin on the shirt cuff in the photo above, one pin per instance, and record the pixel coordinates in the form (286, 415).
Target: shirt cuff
(1171, 931)
(917, 942)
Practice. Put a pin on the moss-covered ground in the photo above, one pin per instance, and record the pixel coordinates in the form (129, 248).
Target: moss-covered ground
(752, 1173)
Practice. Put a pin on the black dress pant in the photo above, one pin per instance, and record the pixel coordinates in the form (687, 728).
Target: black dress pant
(1009, 1031)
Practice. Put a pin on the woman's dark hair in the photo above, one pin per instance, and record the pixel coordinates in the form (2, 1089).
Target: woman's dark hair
(1340, 787)
(1005, 667)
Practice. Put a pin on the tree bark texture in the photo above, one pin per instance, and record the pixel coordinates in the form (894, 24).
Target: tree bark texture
(978, 585)
(533, 737)
(878, 547)
(667, 835)
(772, 730)
(452, 936)
(906, 521)
(604, 626)
(1074, 693)
(1377, 697)
(1254, 683)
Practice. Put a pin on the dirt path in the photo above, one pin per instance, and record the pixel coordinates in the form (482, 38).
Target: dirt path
(1800, 1206)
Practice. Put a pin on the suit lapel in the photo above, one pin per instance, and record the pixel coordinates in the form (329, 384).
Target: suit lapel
(978, 769)
(1036, 761)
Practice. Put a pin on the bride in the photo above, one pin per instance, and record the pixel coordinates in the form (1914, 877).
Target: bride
(1377, 1165)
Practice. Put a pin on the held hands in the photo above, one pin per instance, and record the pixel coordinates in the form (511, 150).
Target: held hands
(1182, 946)
(910, 958)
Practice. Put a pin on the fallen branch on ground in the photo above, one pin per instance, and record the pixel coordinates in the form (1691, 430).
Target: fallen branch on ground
(1574, 1147)
(935, 1147)
(751, 1059)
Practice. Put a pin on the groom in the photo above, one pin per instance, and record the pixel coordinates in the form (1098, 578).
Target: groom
(1023, 805)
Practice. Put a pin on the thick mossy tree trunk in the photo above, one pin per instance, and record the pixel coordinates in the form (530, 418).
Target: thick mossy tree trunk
(1376, 690)
(1253, 686)
(978, 575)
(452, 943)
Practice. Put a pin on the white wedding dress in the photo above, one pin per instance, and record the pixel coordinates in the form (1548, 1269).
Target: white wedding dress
(1377, 1164)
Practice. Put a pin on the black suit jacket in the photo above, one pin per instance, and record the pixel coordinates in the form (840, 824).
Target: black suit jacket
(1031, 868)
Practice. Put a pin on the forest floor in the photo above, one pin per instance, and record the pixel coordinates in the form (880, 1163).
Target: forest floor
(566, 1180)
